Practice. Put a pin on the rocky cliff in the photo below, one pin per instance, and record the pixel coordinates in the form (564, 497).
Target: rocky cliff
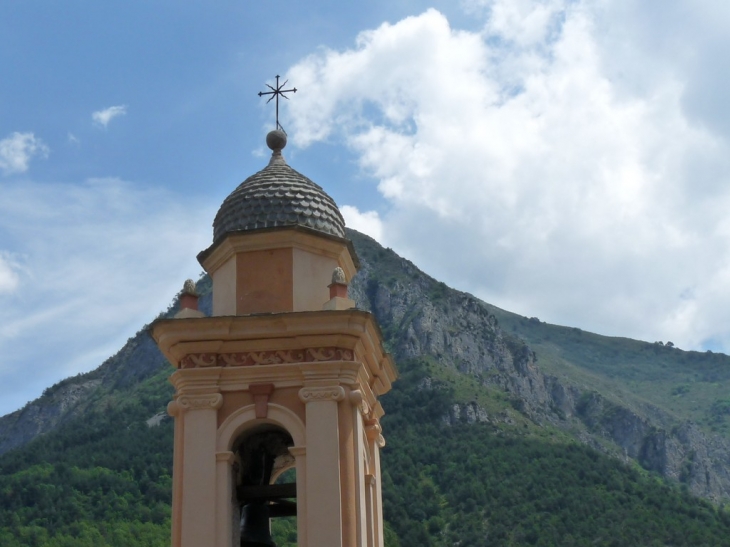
(424, 319)
(498, 379)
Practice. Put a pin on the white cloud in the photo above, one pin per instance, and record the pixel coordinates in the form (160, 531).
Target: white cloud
(97, 261)
(8, 273)
(17, 150)
(521, 163)
(367, 222)
(524, 22)
(103, 117)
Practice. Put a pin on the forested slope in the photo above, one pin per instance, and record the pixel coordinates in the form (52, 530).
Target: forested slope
(485, 444)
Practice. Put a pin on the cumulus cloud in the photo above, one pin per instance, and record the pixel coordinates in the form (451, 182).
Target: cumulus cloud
(85, 266)
(8, 273)
(536, 164)
(17, 150)
(367, 222)
(103, 117)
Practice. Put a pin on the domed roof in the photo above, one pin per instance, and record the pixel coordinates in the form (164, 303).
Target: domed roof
(278, 196)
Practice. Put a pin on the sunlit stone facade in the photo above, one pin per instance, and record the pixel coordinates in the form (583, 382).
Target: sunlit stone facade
(285, 374)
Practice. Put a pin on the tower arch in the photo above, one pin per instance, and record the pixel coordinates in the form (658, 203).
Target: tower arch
(245, 418)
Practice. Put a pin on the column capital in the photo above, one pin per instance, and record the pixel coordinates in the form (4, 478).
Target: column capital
(173, 409)
(200, 402)
(373, 432)
(372, 428)
(357, 400)
(228, 457)
(324, 393)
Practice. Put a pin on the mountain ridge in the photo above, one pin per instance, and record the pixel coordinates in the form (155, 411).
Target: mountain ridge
(470, 365)
(497, 348)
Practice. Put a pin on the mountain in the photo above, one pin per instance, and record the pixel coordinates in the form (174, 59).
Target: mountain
(503, 430)
(650, 403)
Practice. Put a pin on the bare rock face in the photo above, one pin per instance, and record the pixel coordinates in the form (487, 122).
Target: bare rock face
(423, 319)
(681, 452)
(469, 413)
(42, 414)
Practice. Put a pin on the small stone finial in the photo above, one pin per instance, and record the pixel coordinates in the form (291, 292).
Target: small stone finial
(189, 288)
(338, 292)
(276, 140)
(189, 301)
(338, 276)
(338, 287)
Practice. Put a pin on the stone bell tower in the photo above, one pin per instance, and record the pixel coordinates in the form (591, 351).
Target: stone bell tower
(284, 375)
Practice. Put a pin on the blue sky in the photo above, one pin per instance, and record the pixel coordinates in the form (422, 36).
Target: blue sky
(561, 159)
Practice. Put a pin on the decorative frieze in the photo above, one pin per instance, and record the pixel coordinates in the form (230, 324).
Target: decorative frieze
(194, 360)
(277, 357)
(328, 393)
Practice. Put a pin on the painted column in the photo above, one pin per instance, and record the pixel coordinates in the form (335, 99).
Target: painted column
(369, 505)
(324, 503)
(360, 449)
(176, 411)
(197, 515)
(376, 442)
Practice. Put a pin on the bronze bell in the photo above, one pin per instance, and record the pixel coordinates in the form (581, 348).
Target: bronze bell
(255, 529)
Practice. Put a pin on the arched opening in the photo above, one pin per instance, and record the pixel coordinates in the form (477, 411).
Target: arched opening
(264, 485)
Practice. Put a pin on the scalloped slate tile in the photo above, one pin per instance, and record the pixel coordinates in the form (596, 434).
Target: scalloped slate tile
(278, 196)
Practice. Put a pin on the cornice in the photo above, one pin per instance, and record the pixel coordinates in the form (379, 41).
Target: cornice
(295, 237)
(215, 379)
(262, 340)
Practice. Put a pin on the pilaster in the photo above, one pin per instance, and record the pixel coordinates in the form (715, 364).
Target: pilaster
(324, 499)
(198, 413)
(359, 459)
(375, 443)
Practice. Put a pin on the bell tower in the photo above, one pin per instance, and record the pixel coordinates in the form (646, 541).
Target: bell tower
(281, 380)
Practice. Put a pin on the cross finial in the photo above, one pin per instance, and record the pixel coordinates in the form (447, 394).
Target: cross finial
(275, 93)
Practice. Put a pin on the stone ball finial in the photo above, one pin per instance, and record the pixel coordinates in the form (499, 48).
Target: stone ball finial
(276, 140)
(338, 292)
(189, 302)
(338, 276)
(189, 288)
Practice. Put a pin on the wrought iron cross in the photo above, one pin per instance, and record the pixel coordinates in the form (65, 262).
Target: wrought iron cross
(275, 93)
